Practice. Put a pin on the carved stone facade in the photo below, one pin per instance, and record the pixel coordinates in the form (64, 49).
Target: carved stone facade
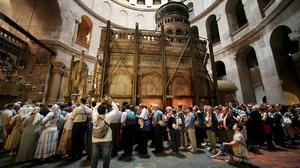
(164, 63)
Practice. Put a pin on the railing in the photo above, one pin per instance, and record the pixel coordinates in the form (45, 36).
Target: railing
(12, 38)
(177, 38)
(147, 36)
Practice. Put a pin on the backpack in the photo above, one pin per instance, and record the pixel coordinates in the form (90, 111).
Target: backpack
(177, 124)
(131, 118)
(100, 128)
(162, 119)
(197, 121)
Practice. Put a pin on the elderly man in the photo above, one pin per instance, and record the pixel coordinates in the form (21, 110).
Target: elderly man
(158, 130)
(79, 116)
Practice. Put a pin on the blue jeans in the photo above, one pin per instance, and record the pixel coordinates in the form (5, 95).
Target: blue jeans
(106, 152)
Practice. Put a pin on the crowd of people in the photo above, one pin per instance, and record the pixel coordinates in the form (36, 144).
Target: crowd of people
(103, 129)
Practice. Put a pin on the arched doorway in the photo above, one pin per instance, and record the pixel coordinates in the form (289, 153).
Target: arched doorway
(249, 74)
(283, 49)
(212, 29)
(220, 70)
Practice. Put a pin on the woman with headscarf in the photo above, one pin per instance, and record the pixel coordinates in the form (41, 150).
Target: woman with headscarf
(64, 147)
(14, 138)
(31, 132)
(47, 144)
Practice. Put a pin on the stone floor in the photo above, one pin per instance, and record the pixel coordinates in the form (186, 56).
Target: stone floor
(281, 157)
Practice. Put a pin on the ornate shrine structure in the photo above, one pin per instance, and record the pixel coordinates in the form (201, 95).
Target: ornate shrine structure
(167, 66)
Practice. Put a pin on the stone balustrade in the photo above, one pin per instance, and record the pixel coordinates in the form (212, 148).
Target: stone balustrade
(12, 38)
(147, 36)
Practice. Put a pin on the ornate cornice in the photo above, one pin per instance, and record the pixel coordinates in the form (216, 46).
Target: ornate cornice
(71, 50)
(94, 14)
(206, 11)
(143, 9)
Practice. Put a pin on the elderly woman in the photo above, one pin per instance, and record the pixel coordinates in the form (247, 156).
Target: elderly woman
(211, 123)
(237, 147)
(31, 133)
(48, 140)
(13, 140)
(64, 147)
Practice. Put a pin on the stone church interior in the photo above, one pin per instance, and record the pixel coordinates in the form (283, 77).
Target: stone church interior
(240, 54)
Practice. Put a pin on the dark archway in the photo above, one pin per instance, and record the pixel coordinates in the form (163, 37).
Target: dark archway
(283, 49)
(236, 15)
(249, 74)
(220, 69)
(264, 5)
(212, 29)
(84, 31)
(190, 6)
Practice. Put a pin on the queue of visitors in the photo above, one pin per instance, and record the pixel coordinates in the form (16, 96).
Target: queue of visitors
(36, 131)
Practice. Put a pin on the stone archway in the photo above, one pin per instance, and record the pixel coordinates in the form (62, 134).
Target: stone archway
(220, 69)
(46, 18)
(212, 29)
(236, 15)
(284, 52)
(249, 74)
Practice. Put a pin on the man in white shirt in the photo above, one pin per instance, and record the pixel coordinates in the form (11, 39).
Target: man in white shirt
(79, 116)
(104, 143)
(116, 132)
(144, 131)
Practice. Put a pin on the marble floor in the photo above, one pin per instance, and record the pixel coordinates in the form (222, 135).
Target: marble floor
(281, 157)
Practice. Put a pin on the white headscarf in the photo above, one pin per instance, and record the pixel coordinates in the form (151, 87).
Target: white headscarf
(36, 112)
(56, 110)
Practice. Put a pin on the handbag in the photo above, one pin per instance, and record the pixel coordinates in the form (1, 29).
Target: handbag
(100, 129)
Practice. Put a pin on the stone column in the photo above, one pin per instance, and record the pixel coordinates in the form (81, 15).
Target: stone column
(56, 74)
(63, 83)
(268, 71)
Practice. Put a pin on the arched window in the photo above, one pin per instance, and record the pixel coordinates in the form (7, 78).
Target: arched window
(236, 15)
(169, 31)
(251, 59)
(84, 31)
(179, 32)
(264, 5)
(156, 2)
(220, 69)
(212, 29)
(141, 2)
(190, 7)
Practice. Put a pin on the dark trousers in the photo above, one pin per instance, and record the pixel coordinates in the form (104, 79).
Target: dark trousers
(127, 139)
(199, 136)
(105, 147)
(89, 145)
(278, 135)
(116, 134)
(158, 136)
(78, 134)
(143, 145)
(175, 138)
